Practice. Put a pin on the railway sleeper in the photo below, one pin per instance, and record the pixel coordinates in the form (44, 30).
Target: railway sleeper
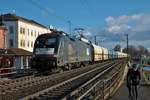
(46, 98)
(52, 96)
(64, 90)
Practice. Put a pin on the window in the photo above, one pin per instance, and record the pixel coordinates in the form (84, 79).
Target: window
(31, 32)
(28, 44)
(24, 62)
(32, 44)
(11, 29)
(46, 42)
(28, 32)
(22, 43)
(35, 33)
(11, 42)
(22, 30)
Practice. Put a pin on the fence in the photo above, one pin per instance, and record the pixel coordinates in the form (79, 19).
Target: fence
(102, 89)
(7, 72)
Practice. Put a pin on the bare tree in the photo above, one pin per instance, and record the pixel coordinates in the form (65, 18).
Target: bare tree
(117, 48)
(137, 52)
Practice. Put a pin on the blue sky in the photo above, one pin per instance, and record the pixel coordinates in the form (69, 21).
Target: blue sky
(99, 17)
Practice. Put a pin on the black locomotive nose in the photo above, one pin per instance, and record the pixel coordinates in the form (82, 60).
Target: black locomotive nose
(43, 63)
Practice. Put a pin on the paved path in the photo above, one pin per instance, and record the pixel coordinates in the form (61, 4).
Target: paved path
(122, 93)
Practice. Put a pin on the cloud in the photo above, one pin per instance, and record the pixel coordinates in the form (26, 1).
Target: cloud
(137, 26)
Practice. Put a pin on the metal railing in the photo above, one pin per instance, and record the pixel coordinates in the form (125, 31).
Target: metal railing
(102, 89)
(7, 72)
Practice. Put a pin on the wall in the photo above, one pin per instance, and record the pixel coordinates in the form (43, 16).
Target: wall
(11, 35)
(31, 33)
(2, 37)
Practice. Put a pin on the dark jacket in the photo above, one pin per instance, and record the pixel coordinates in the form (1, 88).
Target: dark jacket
(133, 77)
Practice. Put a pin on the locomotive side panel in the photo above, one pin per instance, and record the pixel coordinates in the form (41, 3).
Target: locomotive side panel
(72, 51)
(84, 51)
(62, 56)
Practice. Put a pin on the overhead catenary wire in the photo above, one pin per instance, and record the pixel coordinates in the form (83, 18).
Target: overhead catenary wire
(52, 13)
(89, 8)
(47, 10)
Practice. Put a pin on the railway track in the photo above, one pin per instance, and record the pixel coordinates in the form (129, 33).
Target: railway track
(52, 86)
(60, 91)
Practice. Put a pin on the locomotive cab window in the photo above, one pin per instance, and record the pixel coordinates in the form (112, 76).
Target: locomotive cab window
(46, 45)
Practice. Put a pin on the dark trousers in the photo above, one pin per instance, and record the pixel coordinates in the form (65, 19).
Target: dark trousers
(135, 89)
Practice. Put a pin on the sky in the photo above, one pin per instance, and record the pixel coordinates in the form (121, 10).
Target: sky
(109, 20)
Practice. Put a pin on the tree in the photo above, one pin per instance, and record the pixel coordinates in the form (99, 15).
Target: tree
(117, 48)
(142, 50)
(136, 52)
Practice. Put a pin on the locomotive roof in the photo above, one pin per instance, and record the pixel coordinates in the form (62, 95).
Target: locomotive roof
(49, 34)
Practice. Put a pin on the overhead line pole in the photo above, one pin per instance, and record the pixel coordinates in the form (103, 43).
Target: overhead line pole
(95, 39)
(127, 45)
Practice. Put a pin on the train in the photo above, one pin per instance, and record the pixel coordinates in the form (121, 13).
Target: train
(59, 51)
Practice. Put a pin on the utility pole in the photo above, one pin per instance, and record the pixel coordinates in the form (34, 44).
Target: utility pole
(69, 23)
(127, 45)
(95, 39)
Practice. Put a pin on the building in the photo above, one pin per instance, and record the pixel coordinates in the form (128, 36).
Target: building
(22, 32)
(2, 37)
(13, 61)
(22, 57)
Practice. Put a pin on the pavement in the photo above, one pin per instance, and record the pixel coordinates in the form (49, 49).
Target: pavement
(122, 92)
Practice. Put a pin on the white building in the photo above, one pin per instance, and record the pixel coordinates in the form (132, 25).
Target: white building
(22, 32)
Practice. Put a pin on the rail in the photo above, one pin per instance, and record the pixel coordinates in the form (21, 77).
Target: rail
(77, 79)
(101, 90)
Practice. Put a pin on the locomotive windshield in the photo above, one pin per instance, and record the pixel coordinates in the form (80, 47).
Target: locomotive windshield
(46, 45)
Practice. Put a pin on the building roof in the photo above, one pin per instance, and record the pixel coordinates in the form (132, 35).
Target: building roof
(14, 17)
(3, 28)
(15, 52)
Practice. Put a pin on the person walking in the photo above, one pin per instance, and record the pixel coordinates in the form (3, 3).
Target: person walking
(133, 79)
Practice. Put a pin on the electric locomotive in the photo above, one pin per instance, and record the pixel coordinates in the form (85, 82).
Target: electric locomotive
(57, 51)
